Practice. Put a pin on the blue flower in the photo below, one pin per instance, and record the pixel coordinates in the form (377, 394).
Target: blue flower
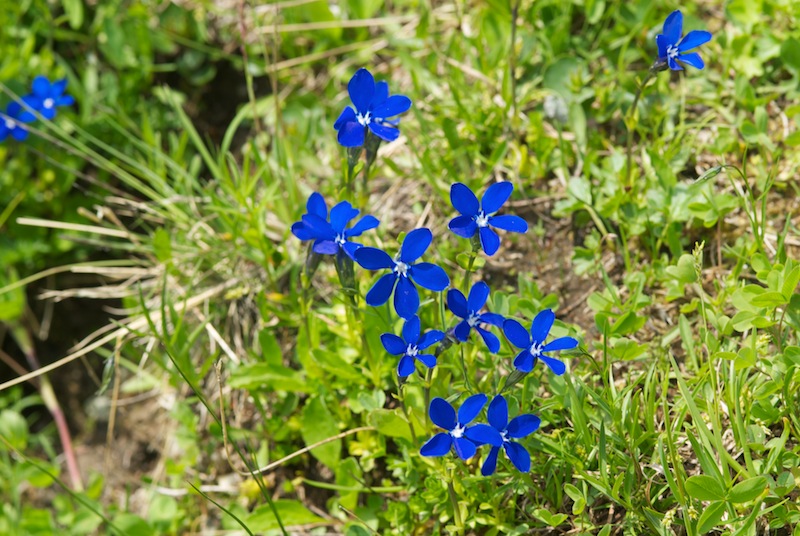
(519, 427)
(411, 345)
(12, 123)
(672, 49)
(373, 107)
(331, 237)
(465, 439)
(47, 96)
(477, 217)
(469, 309)
(533, 346)
(404, 273)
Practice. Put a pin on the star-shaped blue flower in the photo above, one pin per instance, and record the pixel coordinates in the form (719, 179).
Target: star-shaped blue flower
(50, 95)
(469, 310)
(478, 217)
(533, 345)
(411, 346)
(672, 49)
(12, 123)
(372, 109)
(404, 273)
(331, 237)
(519, 427)
(465, 439)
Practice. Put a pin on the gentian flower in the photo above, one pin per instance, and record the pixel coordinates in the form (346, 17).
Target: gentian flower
(533, 346)
(519, 427)
(469, 309)
(404, 273)
(465, 439)
(477, 217)
(372, 108)
(331, 237)
(411, 346)
(48, 96)
(672, 49)
(12, 122)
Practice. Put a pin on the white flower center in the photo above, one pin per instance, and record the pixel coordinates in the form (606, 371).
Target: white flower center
(48, 103)
(482, 219)
(10, 123)
(363, 120)
(412, 350)
(672, 51)
(473, 319)
(536, 349)
(401, 268)
(504, 435)
(340, 239)
(458, 431)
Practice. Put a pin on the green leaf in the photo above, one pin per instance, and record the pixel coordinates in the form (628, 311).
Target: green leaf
(745, 358)
(770, 299)
(390, 422)
(552, 520)
(133, 525)
(292, 513)
(790, 283)
(74, 11)
(704, 488)
(14, 429)
(790, 54)
(267, 376)
(319, 424)
(748, 490)
(710, 516)
(162, 245)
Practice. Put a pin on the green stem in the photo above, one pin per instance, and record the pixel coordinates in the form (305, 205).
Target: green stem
(454, 501)
(472, 256)
(630, 123)
(405, 409)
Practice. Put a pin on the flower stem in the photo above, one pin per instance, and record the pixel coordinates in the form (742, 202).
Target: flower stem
(401, 391)
(472, 256)
(630, 123)
(454, 501)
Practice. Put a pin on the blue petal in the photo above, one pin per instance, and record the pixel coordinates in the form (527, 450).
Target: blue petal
(470, 408)
(20, 133)
(41, 87)
(674, 64)
(414, 244)
(393, 344)
(491, 340)
(497, 414)
(661, 43)
(319, 228)
(442, 414)
(361, 88)
(316, 205)
(463, 200)
(489, 241)
(465, 448)
(58, 87)
(350, 248)
(483, 434)
(351, 135)
(430, 276)
(490, 464)
(326, 247)
(463, 226)
(364, 224)
(373, 259)
(427, 359)
(517, 334)
(47, 113)
(518, 456)
(558, 367)
(382, 289)
(411, 330)
(541, 325)
(478, 295)
(562, 343)
(298, 229)
(673, 27)
(341, 214)
(496, 194)
(394, 105)
(386, 133)
(509, 222)
(493, 319)
(406, 366)
(524, 361)
(3, 129)
(523, 425)
(406, 298)
(431, 337)
(693, 59)
(457, 303)
(695, 38)
(381, 93)
(438, 445)
(348, 115)
(462, 331)
(66, 100)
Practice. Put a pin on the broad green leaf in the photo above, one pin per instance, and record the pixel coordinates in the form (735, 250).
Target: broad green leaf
(14, 429)
(790, 54)
(292, 513)
(74, 11)
(319, 424)
(747, 490)
(710, 516)
(770, 299)
(552, 520)
(133, 525)
(790, 283)
(390, 422)
(162, 245)
(704, 488)
(266, 376)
